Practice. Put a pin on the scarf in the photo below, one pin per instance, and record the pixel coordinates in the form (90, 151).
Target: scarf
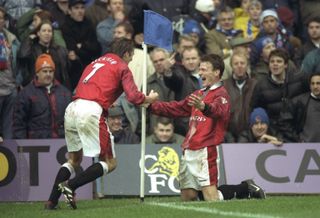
(229, 33)
(3, 52)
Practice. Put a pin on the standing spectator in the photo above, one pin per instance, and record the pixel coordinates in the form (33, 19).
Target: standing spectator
(311, 62)
(39, 42)
(313, 41)
(205, 13)
(272, 28)
(9, 46)
(242, 11)
(275, 92)
(184, 42)
(17, 8)
(287, 18)
(250, 25)
(86, 130)
(31, 20)
(163, 132)
(161, 62)
(168, 9)
(306, 112)
(184, 80)
(259, 130)
(238, 45)
(59, 10)
(209, 111)
(97, 12)
(308, 10)
(217, 40)
(192, 28)
(105, 28)
(264, 46)
(121, 135)
(240, 88)
(81, 40)
(40, 106)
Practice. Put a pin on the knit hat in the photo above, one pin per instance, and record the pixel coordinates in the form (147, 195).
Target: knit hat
(44, 60)
(266, 13)
(286, 16)
(260, 43)
(204, 6)
(260, 114)
(191, 26)
(115, 111)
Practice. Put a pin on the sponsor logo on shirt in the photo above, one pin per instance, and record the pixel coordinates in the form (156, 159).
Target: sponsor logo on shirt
(198, 118)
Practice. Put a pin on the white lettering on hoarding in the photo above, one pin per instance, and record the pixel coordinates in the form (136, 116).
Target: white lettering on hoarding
(164, 170)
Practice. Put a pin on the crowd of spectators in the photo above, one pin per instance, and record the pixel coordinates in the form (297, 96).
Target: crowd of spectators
(271, 51)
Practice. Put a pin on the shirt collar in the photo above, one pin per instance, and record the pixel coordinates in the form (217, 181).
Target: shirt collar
(313, 96)
(214, 86)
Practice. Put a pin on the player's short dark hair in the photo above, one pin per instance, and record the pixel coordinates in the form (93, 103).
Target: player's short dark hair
(216, 61)
(121, 46)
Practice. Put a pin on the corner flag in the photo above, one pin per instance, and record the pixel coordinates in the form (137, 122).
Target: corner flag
(157, 30)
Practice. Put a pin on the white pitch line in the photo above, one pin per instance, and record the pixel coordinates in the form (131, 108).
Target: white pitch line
(212, 211)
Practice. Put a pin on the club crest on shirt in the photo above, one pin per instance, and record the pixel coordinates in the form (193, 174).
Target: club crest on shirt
(224, 100)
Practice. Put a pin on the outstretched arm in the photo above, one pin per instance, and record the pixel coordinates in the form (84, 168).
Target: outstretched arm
(149, 99)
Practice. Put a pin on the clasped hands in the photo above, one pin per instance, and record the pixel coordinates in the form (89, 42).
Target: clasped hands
(270, 139)
(152, 97)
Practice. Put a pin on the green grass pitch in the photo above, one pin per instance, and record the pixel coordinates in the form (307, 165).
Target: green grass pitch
(166, 207)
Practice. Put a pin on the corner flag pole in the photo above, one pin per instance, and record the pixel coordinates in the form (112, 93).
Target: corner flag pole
(158, 32)
(143, 123)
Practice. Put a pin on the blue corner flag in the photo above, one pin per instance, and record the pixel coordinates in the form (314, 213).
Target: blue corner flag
(157, 30)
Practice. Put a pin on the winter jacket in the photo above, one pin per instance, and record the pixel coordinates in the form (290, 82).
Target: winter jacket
(240, 104)
(39, 113)
(9, 78)
(276, 98)
(311, 63)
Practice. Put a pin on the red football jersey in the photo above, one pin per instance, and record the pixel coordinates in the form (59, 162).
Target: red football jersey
(105, 79)
(205, 128)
